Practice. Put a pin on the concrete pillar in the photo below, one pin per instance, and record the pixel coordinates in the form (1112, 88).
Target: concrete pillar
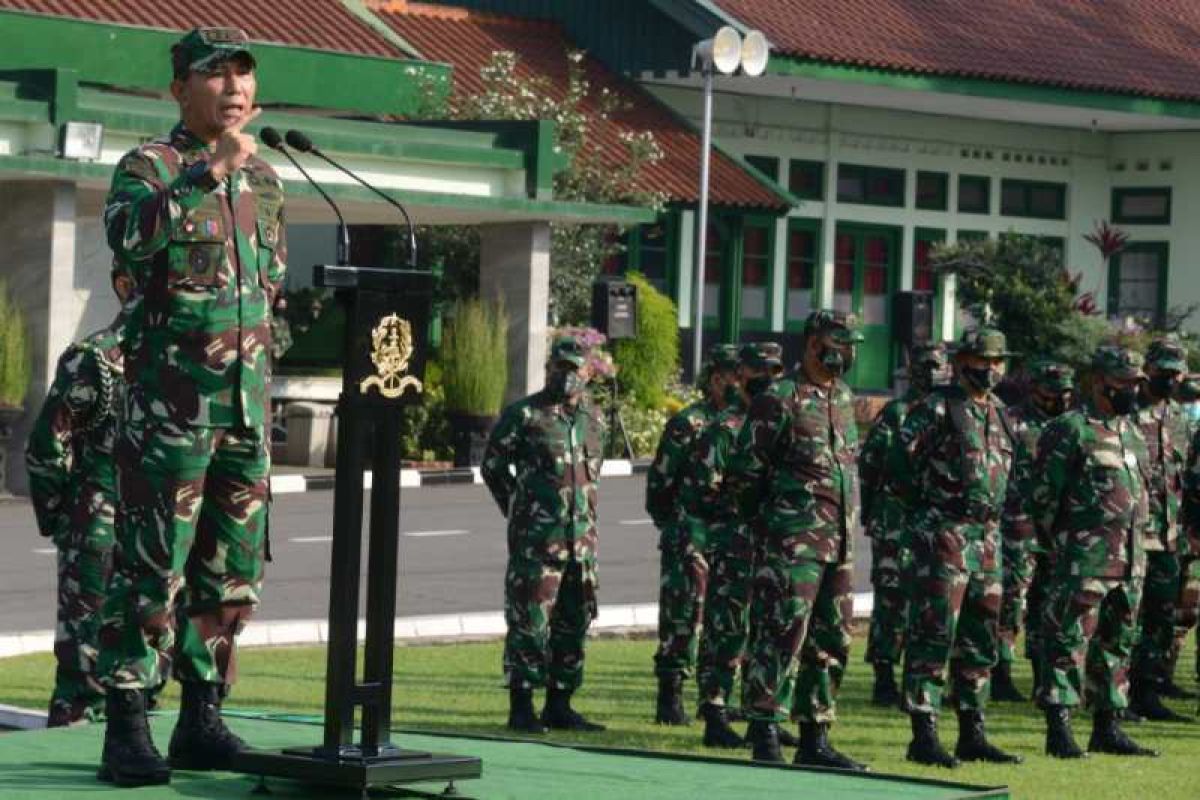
(38, 228)
(514, 266)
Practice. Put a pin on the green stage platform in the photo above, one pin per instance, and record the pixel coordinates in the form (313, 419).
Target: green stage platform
(61, 763)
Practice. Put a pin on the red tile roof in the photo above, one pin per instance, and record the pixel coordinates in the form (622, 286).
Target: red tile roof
(1138, 47)
(321, 24)
(467, 39)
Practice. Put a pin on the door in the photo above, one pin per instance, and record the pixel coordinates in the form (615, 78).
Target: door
(865, 272)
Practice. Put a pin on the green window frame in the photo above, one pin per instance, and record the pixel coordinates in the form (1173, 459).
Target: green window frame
(971, 236)
(652, 250)
(933, 191)
(803, 253)
(767, 165)
(1033, 199)
(876, 186)
(1158, 275)
(1121, 215)
(978, 186)
(925, 239)
(806, 179)
(757, 264)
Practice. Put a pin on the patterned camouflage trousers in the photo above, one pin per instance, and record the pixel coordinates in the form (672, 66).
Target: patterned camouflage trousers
(726, 629)
(1160, 593)
(548, 606)
(683, 581)
(1089, 633)
(953, 622)
(799, 608)
(84, 568)
(891, 562)
(1019, 565)
(1036, 601)
(189, 555)
(1187, 610)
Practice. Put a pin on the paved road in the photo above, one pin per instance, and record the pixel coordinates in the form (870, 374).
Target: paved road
(452, 555)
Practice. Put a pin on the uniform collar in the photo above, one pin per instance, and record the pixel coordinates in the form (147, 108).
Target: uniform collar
(185, 141)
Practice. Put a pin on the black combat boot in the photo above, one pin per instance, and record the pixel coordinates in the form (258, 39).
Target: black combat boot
(521, 716)
(559, 715)
(764, 738)
(1174, 691)
(1146, 700)
(1003, 688)
(1035, 664)
(973, 744)
(1127, 714)
(670, 701)
(717, 731)
(786, 737)
(815, 750)
(130, 757)
(1060, 741)
(925, 748)
(1107, 737)
(885, 692)
(201, 740)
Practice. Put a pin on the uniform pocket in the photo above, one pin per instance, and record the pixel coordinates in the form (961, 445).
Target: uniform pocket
(196, 252)
(268, 241)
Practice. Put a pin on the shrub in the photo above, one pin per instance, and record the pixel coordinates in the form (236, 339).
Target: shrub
(648, 362)
(424, 431)
(474, 358)
(14, 351)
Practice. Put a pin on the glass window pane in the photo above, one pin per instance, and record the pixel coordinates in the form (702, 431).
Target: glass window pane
(932, 190)
(1047, 201)
(1012, 199)
(767, 165)
(851, 184)
(1144, 206)
(973, 194)
(799, 305)
(806, 179)
(754, 302)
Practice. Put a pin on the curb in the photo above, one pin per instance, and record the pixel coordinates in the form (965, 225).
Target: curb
(418, 478)
(614, 619)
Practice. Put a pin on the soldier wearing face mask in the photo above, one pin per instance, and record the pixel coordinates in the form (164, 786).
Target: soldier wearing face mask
(1051, 393)
(884, 518)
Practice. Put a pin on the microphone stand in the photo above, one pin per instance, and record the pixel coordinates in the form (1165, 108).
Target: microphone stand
(343, 239)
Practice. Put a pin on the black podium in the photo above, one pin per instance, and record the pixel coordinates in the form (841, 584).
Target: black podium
(387, 313)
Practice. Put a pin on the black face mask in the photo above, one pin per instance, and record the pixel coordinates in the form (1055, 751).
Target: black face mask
(1052, 407)
(565, 385)
(756, 386)
(984, 379)
(1123, 400)
(1161, 386)
(837, 361)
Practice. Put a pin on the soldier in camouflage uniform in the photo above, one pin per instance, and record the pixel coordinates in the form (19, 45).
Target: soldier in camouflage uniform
(951, 464)
(884, 520)
(73, 486)
(199, 218)
(1089, 504)
(1164, 428)
(730, 549)
(1187, 607)
(1051, 388)
(795, 457)
(683, 571)
(541, 465)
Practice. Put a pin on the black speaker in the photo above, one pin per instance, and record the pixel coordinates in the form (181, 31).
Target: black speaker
(912, 317)
(614, 308)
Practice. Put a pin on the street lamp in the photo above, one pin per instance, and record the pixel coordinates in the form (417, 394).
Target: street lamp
(725, 52)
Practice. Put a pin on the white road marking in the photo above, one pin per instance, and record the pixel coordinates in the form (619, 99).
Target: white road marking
(636, 522)
(424, 534)
(46, 551)
(311, 539)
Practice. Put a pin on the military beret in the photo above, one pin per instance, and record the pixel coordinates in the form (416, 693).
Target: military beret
(205, 49)
(843, 326)
(1052, 375)
(761, 354)
(1167, 353)
(984, 341)
(1115, 361)
(569, 349)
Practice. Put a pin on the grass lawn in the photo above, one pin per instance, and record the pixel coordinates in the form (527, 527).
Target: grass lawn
(457, 688)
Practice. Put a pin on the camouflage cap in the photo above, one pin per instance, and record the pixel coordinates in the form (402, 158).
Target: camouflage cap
(761, 354)
(568, 349)
(722, 356)
(843, 326)
(984, 341)
(928, 354)
(1189, 388)
(1167, 353)
(1114, 361)
(204, 49)
(1052, 375)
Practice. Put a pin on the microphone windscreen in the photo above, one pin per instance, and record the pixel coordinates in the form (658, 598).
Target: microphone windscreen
(270, 137)
(299, 141)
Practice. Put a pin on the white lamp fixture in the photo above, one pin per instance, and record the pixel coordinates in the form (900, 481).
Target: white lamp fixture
(725, 52)
(81, 140)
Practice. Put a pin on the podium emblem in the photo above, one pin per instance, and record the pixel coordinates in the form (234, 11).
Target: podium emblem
(391, 350)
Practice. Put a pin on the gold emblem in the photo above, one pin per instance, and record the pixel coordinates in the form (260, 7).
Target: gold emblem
(391, 349)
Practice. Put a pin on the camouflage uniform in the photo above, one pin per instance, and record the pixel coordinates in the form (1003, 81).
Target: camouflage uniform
(541, 465)
(193, 457)
(1187, 607)
(72, 481)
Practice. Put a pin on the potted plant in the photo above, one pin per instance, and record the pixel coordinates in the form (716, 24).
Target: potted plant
(14, 372)
(474, 358)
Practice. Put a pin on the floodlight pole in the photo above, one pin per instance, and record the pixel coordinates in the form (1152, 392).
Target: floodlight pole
(702, 223)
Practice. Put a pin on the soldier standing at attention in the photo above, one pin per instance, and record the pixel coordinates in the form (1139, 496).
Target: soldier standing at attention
(730, 552)
(885, 520)
(683, 571)
(1089, 503)
(1164, 428)
(199, 218)
(951, 464)
(795, 456)
(73, 486)
(541, 465)
(1187, 607)
(1052, 388)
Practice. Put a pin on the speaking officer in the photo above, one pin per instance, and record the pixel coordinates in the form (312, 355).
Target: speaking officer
(200, 218)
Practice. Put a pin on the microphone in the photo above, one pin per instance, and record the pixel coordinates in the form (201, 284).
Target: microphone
(301, 142)
(272, 139)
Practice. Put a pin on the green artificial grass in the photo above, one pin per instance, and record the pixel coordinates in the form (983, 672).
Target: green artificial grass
(458, 688)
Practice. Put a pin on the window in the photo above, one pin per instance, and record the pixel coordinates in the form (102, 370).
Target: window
(714, 256)
(845, 253)
(974, 194)
(972, 236)
(767, 165)
(924, 278)
(1033, 199)
(806, 179)
(1137, 282)
(801, 270)
(1150, 206)
(756, 269)
(645, 249)
(932, 191)
(876, 186)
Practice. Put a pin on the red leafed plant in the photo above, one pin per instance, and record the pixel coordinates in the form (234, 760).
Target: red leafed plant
(1108, 239)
